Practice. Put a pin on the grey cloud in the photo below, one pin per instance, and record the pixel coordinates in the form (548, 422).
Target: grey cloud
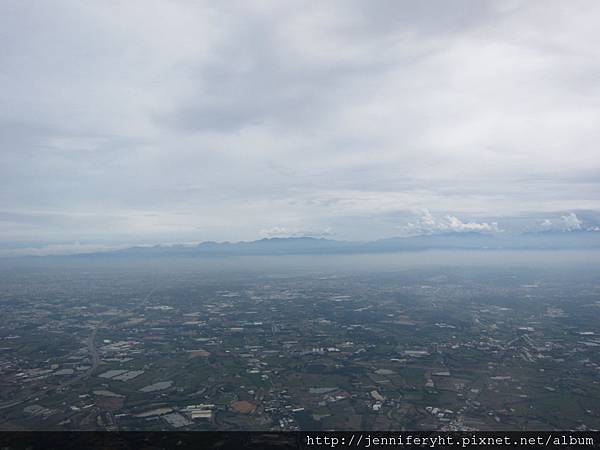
(260, 74)
(172, 121)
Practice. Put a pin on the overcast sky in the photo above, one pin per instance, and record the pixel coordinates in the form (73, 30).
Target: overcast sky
(151, 121)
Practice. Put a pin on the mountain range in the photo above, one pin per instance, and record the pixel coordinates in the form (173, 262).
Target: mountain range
(311, 245)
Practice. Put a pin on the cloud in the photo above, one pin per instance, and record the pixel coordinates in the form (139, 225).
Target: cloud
(567, 222)
(285, 232)
(428, 224)
(58, 249)
(170, 121)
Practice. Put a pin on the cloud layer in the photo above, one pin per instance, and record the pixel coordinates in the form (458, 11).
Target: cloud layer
(146, 121)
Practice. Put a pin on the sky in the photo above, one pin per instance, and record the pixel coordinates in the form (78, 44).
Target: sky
(185, 121)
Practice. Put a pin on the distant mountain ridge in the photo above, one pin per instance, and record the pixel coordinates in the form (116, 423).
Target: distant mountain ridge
(315, 246)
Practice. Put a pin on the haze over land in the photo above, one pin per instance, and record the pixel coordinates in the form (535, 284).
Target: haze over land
(181, 122)
(429, 340)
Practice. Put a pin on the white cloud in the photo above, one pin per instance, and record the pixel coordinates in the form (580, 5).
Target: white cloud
(428, 224)
(286, 232)
(567, 222)
(58, 249)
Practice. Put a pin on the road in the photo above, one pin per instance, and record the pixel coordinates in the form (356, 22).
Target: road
(94, 355)
(93, 351)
